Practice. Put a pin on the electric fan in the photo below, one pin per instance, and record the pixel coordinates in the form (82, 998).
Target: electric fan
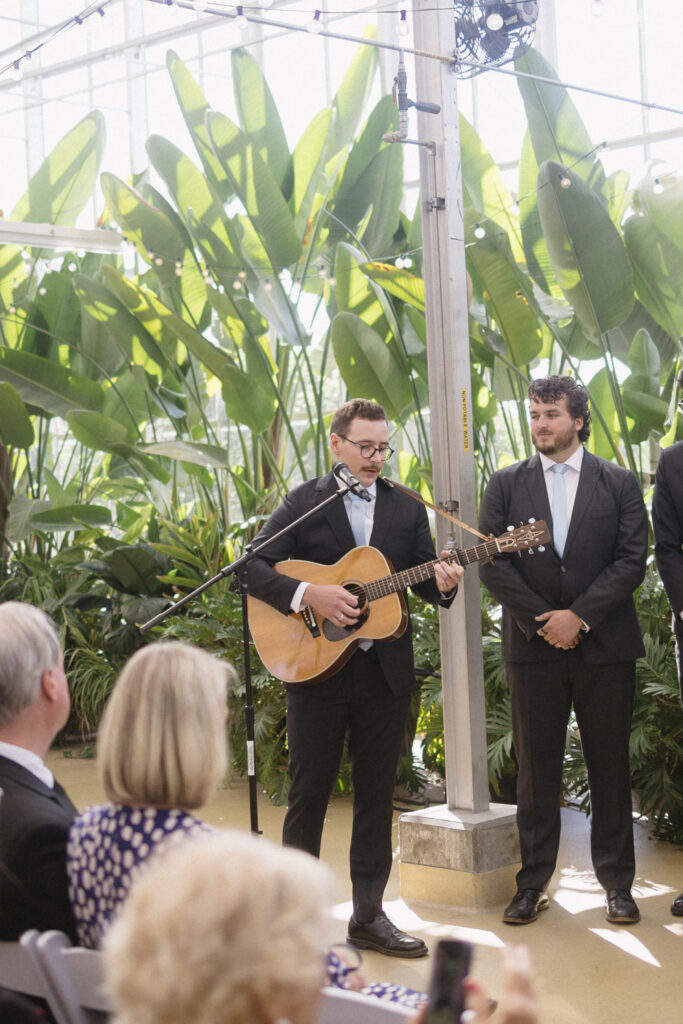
(492, 32)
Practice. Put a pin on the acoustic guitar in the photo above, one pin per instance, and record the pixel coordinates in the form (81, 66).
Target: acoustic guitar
(307, 648)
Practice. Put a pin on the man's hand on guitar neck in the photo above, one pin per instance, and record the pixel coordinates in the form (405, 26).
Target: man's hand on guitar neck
(447, 575)
(332, 602)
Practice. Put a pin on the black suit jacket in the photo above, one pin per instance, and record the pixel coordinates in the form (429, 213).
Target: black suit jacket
(34, 828)
(400, 531)
(603, 561)
(667, 521)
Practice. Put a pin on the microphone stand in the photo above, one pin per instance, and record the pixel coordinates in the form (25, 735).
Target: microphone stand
(240, 568)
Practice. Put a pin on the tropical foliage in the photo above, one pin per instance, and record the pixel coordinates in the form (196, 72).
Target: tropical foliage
(154, 404)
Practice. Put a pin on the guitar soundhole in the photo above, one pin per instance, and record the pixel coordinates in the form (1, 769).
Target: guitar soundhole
(333, 631)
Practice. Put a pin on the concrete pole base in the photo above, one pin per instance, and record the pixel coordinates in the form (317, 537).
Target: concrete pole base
(457, 858)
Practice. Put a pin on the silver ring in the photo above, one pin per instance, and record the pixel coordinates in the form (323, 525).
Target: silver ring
(341, 616)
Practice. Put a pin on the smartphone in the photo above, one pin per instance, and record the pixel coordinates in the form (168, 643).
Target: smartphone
(452, 959)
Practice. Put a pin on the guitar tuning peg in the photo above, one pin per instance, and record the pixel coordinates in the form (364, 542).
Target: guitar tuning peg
(532, 521)
(542, 547)
(510, 529)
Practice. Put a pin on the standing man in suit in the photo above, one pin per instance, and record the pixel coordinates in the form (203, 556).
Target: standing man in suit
(35, 812)
(667, 523)
(369, 697)
(570, 635)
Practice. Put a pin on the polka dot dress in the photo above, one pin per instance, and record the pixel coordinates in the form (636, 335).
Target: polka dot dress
(108, 847)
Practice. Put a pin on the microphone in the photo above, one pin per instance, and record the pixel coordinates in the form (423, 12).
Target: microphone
(344, 474)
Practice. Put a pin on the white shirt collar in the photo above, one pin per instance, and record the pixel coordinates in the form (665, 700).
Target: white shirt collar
(574, 461)
(28, 760)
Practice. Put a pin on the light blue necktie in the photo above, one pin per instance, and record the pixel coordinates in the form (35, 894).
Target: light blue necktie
(358, 518)
(559, 507)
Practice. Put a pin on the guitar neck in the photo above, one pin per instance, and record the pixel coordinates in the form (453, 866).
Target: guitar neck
(421, 573)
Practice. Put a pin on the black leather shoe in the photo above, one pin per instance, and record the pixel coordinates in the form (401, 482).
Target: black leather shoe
(677, 906)
(526, 906)
(621, 907)
(384, 937)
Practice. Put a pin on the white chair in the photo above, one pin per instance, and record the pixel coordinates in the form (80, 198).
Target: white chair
(20, 969)
(340, 1006)
(76, 976)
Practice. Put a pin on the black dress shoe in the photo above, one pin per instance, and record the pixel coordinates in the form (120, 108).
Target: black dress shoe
(384, 937)
(621, 907)
(526, 906)
(677, 906)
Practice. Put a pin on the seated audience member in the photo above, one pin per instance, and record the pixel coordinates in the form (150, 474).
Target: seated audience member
(192, 945)
(162, 750)
(35, 812)
(161, 753)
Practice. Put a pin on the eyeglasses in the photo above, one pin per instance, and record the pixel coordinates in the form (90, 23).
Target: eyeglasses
(368, 450)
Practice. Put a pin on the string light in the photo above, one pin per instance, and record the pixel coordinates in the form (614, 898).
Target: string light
(403, 26)
(479, 231)
(241, 21)
(200, 5)
(657, 188)
(597, 8)
(565, 182)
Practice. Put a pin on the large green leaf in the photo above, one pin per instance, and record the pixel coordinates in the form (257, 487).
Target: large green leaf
(641, 391)
(657, 269)
(398, 281)
(586, 250)
(257, 188)
(535, 249)
(663, 201)
(71, 517)
(42, 383)
(557, 132)
(600, 441)
(308, 161)
(16, 429)
(190, 451)
(508, 294)
(352, 95)
(368, 367)
(100, 432)
(154, 235)
(162, 323)
(484, 189)
(259, 116)
(246, 400)
(63, 184)
(194, 106)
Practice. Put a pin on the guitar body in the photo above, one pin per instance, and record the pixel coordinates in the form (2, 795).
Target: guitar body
(286, 645)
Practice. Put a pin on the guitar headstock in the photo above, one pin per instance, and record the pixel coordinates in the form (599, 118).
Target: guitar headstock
(533, 534)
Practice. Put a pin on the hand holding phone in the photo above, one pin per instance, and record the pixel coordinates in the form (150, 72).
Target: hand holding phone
(452, 959)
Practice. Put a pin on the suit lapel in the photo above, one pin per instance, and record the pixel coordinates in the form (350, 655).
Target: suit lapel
(385, 510)
(538, 494)
(588, 478)
(336, 513)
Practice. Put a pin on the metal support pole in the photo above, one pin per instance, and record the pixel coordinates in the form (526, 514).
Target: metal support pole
(448, 358)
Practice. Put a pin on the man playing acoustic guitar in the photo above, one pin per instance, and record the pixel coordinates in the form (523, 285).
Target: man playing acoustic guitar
(368, 696)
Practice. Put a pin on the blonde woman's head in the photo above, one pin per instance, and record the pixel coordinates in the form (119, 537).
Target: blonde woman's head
(224, 929)
(162, 740)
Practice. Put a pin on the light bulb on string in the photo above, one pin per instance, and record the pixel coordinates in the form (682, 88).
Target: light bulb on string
(241, 21)
(657, 188)
(479, 231)
(315, 25)
(565, 182)
(597, 8)
(16, 70)
(403, 26)
(200, 5)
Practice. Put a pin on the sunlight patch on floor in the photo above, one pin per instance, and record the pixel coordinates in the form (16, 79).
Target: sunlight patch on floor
(628, 943)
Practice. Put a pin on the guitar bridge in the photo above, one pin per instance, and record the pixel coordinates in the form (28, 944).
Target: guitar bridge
(308, 615)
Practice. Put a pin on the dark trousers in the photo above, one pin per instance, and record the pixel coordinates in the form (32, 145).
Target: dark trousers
(358, 700)
(542, 694)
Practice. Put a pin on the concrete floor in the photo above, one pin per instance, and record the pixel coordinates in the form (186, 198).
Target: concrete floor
(587, 970)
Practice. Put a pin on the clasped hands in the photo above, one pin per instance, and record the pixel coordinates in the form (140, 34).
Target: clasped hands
(561, 628)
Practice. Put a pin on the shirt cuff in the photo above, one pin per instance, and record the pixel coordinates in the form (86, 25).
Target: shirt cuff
(297, 598)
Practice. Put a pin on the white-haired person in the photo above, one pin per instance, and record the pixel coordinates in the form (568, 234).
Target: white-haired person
(192, 944)
(161, 753)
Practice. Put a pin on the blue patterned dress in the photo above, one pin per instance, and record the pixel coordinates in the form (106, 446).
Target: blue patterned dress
(107, 849)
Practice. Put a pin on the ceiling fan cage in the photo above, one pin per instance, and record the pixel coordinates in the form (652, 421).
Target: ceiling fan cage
(492, 32)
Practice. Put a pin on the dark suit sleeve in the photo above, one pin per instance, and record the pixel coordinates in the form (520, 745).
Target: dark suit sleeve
(501, 577)
(667, 520)
(617, 582)
(263, 581)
